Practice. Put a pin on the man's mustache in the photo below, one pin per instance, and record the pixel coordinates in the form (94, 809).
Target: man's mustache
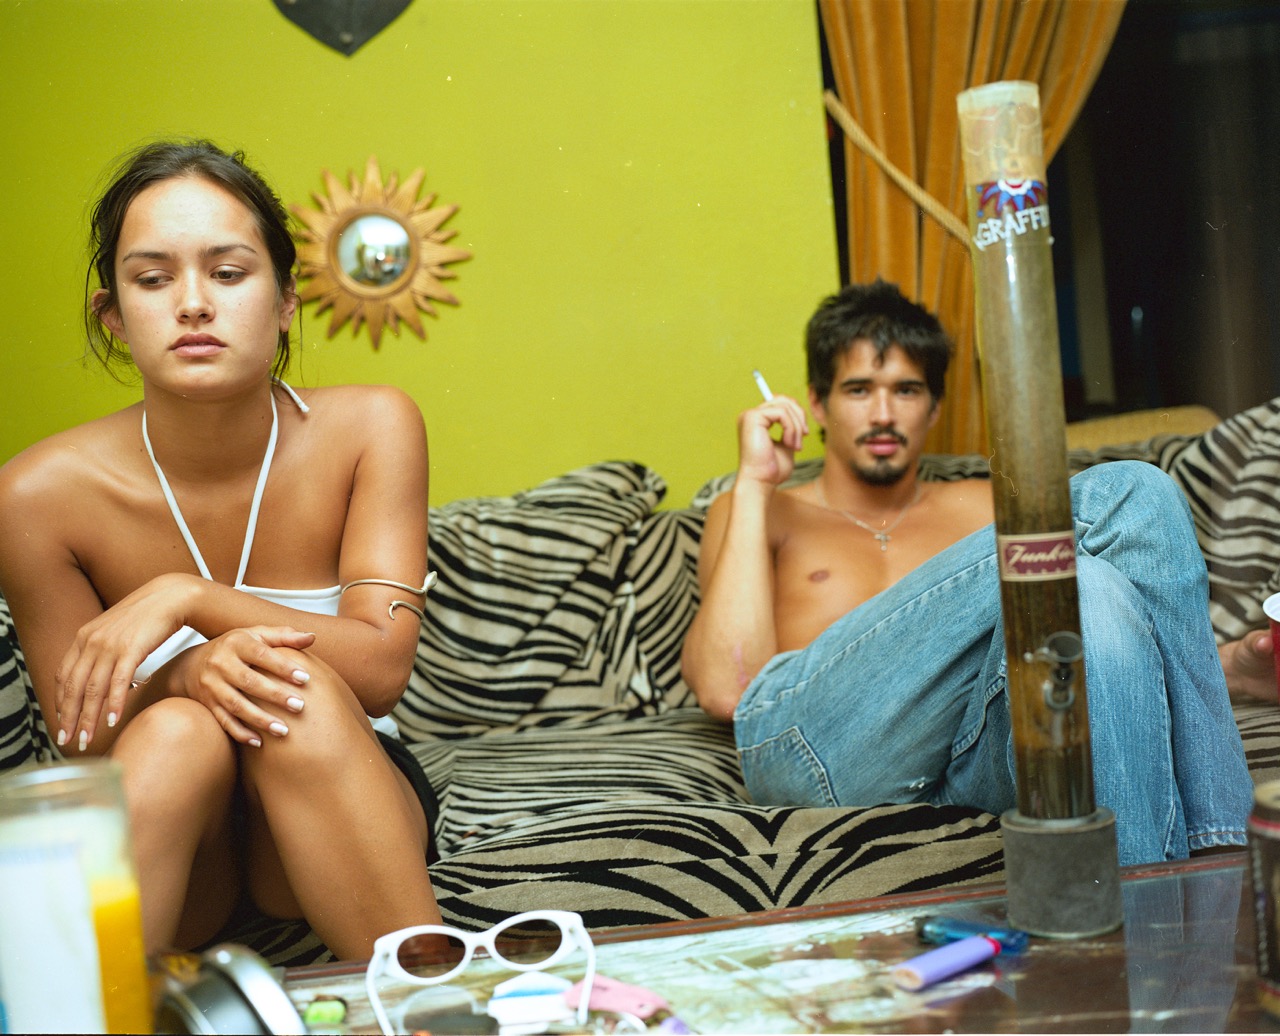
(882, 432)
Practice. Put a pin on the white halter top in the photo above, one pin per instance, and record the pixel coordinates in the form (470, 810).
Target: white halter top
(323, 601)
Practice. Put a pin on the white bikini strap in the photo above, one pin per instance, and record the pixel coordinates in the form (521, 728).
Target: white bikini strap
(294, 396)
(252, 526)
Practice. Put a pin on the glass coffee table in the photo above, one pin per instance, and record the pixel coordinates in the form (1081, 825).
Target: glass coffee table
(1183, 962)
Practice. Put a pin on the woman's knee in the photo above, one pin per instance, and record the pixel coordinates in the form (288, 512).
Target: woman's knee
(175, 731)
(175, 754)
(318, 735)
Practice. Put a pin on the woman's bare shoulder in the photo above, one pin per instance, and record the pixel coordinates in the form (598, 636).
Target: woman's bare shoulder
(72, 460)
(361, 427)
(361, 405)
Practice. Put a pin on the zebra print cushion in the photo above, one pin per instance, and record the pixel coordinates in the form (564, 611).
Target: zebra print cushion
(23, 736)
(1259, 725)
(616, 806)
(647, 821)
(567, 602)
(1231, 477)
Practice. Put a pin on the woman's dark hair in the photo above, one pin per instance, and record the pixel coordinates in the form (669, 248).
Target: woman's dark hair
(168, 160)
(880, 314)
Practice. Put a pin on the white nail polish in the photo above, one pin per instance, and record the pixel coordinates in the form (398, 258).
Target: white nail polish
(84, 740)
(278, 729)
(295, 704)
(112, 719)
(255, 743)
(62, 738)
(301, 676)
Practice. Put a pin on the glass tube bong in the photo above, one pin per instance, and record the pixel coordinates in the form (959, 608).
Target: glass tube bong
(1017, 335)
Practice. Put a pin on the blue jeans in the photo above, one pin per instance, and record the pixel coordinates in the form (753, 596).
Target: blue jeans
(904, 698)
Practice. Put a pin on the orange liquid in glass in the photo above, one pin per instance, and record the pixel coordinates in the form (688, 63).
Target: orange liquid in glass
(122, 962)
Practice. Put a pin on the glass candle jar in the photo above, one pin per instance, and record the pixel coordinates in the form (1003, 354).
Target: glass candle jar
(72, 957)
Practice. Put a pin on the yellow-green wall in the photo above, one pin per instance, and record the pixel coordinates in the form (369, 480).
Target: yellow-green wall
(643, 184)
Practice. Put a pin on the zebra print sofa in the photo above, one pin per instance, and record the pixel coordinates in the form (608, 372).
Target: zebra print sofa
(573, 767)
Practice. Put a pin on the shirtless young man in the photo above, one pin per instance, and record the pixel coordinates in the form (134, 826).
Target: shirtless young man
(850, 627)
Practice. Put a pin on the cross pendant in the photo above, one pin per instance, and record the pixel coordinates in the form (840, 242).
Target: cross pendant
(883, 537)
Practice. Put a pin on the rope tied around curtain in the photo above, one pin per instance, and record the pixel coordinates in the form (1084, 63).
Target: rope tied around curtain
(923, 199)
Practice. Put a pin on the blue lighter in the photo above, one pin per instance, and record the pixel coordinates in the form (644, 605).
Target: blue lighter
(942, 930)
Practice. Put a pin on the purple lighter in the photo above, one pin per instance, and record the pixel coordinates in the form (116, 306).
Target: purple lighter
(945, 961)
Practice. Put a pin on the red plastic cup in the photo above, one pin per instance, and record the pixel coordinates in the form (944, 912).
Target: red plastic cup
(1271, 606)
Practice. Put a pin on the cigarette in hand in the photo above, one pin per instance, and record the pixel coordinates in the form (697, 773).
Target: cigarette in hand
(764, 385)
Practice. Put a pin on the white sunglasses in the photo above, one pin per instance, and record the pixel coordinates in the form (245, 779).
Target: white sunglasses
(386, 962)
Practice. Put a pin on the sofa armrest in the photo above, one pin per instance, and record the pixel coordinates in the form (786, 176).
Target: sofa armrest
(1138, 426)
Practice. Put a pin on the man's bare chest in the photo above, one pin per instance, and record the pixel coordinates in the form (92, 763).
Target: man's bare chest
(827, 566)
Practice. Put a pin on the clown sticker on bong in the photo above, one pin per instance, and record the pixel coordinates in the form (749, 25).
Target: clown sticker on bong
(1017, 207)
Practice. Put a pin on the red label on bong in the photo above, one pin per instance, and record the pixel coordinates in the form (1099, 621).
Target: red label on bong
(1044, 555)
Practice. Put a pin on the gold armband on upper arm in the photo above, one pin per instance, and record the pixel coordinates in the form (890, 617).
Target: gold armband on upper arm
(419, 591)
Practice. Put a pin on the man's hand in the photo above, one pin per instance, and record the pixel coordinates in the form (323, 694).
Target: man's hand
(761, 457)
(1249, 666)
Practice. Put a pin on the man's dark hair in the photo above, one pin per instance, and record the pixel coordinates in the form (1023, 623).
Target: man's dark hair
(169, 160)
(880, 314)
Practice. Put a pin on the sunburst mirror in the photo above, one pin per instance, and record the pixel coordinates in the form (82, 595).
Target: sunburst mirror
(375, 253)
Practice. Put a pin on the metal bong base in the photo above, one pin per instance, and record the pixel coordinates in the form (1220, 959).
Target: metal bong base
(1062, 876)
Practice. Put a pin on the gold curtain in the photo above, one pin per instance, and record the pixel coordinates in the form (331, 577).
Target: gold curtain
(898, 66)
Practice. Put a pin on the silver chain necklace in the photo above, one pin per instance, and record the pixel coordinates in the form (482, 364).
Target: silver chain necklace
(882, 535)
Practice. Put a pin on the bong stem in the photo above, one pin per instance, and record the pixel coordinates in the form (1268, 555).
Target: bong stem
(1017, 335)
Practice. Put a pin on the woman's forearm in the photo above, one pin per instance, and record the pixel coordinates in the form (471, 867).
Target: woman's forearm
(372, 651)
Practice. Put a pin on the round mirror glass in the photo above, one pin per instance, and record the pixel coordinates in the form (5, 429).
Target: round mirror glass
(374, 254)
(374, 250)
